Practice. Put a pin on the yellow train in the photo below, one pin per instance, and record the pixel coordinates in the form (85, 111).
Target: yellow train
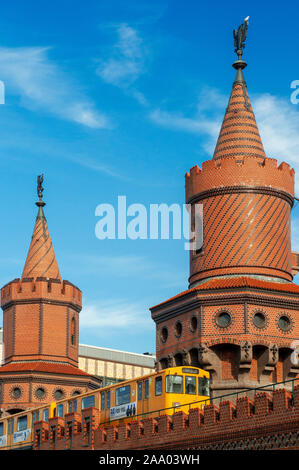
(163, 392)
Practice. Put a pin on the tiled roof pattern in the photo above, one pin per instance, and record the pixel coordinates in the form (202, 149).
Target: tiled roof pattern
(54, 368)
(239, 135)
(41, 259)
(238, 282)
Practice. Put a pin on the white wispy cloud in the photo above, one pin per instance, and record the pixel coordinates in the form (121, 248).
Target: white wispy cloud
(107, 313)
(125, 266)
(126, 62)
(42, 85)
(206, 120)
(278, 122)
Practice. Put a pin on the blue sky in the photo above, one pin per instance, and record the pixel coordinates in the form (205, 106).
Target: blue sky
(111, 98)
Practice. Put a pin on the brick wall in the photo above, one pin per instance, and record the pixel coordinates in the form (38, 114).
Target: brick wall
(267, 422)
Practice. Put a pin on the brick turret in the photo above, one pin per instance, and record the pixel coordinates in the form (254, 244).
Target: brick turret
(238, 319)
(40, 330)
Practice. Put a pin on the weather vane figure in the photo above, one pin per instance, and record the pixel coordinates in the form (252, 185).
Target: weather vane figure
(240, 37)
(40, 188)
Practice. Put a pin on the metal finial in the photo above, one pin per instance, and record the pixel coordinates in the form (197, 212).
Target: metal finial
(40, 189)
(240, 37)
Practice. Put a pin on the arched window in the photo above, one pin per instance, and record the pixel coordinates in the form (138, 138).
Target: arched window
(73, 332)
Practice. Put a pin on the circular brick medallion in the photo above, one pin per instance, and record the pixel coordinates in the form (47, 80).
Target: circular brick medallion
(58, 394)
(40, 393)
(285, 322)
(259, 318)
(16, 392)
(223, 318)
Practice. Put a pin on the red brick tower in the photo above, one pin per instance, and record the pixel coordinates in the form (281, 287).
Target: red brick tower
(239, 317)
(40, 330)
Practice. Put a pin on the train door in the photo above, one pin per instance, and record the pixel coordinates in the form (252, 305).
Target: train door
(140, 397)
(143, 393)
(146, 405)
(105, 406)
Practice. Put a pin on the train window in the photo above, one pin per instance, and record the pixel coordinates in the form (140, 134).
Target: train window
(22, 423)
(87, 401)
(123, 395)
(72, 406)
(139, 390)
(190, 385)
(35, 416)
(46, 414)
(1, 429)
(158, 386)
(146, 389)
(203, 386)
(10, 426)
(108, 399)
(103, 401)
(60, 411)
(174, 384)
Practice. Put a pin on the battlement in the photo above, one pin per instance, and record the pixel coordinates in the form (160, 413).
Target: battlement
(234, 172)
(40, 288)
(214, 427)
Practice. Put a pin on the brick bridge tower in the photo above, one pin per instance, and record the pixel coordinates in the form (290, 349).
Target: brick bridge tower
(239, 317)
(40, 330)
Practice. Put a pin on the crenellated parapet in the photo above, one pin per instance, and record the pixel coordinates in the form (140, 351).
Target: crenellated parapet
(269, 421)
(49, 310)
(231, 173)
(51, 290)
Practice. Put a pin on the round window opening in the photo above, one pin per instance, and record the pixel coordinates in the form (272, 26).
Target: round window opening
(259, 320)
(58, 394)
(16, 393)
(284, 323)
(178, 329)
(40, 393)
(223, 319)
(164, 334)
(193, 324)
(76, 392)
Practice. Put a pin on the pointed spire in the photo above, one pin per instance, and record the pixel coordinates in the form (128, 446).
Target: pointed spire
(41, 260)
(239, 135)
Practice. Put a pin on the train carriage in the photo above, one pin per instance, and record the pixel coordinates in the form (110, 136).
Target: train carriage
(163, 392)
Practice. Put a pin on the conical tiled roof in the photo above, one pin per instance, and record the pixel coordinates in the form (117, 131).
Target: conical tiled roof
(239, 135)
(41, 260)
